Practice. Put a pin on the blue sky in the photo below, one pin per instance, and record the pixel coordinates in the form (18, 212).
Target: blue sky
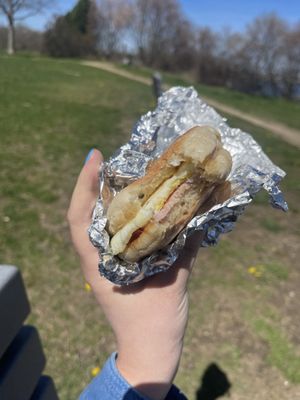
(213, 13)
(238, 13)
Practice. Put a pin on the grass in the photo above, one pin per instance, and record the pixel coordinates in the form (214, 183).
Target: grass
(52, 112)
(271, 225)
(276, 109)
(281, 354)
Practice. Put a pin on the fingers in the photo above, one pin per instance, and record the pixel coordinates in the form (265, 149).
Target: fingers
(176, 277)
(184, 264)
(190, 250)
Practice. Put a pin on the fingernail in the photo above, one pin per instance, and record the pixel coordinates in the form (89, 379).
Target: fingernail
(88, 156)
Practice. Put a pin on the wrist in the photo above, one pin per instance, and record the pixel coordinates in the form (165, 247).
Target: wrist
(151, 374)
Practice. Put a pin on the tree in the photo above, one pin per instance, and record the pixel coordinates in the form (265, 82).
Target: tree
(232, 59)
(265, 48)
(291, 65)
(62, 40)
(206, 56)
(15, 10)
(183, 46)
(78, 16)
(155, 26)
(113, 20)
(28, 39)
(73, 34)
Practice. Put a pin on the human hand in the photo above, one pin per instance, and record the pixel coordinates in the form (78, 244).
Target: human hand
(148, 318)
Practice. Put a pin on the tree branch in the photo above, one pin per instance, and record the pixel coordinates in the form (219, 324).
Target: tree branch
(13, 7)
(17, 4)
(3, 6)
(25, 16)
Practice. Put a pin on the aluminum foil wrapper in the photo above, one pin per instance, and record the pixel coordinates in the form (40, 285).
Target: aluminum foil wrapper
(178, 110)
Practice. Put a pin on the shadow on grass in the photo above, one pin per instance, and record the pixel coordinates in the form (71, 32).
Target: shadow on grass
(214, 383)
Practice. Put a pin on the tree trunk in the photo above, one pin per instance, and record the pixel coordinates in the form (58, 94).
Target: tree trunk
(289, 90)
(11, 36)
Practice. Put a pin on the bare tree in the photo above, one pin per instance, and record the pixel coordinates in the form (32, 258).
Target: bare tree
(155, 25)
(28, 39)
(140, 27)
(15, 10)
(207, 45)
(265, 47)
(183, 46)
(233, 67)
(113, 18)
(291, 65)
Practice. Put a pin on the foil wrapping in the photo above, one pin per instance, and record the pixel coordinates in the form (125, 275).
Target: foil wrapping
(178, 110)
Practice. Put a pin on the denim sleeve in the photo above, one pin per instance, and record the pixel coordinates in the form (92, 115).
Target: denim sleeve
(110, 385)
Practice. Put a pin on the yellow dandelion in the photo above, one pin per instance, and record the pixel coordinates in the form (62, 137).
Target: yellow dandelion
(252, 270)
(87, 287)
(95, 371)
(256, 270)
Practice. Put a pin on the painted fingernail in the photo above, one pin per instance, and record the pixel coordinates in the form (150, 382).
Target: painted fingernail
(88, 156)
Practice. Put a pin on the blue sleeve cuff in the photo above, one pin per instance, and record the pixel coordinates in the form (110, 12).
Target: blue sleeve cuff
(110, 385)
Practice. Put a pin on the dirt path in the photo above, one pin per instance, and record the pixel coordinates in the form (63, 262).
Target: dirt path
(286, 133)
(115, 70)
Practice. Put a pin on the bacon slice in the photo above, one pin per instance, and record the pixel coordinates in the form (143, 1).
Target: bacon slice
(172, 200)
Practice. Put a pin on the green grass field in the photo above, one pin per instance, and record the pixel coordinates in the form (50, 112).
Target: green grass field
(243, 293)
(276, 109)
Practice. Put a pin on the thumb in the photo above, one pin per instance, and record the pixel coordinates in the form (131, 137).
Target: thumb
(86, 191)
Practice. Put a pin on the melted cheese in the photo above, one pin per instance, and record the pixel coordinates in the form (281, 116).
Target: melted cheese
(155, 202)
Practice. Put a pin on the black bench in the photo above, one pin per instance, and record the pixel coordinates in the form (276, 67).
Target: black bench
(22, 359)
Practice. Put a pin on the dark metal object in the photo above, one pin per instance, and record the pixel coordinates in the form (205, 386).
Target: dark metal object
(14, 305)
(157, 84)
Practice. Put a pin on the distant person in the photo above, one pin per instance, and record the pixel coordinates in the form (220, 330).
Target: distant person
(157, 84)
(148, 318)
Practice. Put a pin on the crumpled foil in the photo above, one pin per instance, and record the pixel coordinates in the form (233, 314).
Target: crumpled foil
(178, 110)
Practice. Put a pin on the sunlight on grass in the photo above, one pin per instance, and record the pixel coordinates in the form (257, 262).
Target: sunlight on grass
(281, 354)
